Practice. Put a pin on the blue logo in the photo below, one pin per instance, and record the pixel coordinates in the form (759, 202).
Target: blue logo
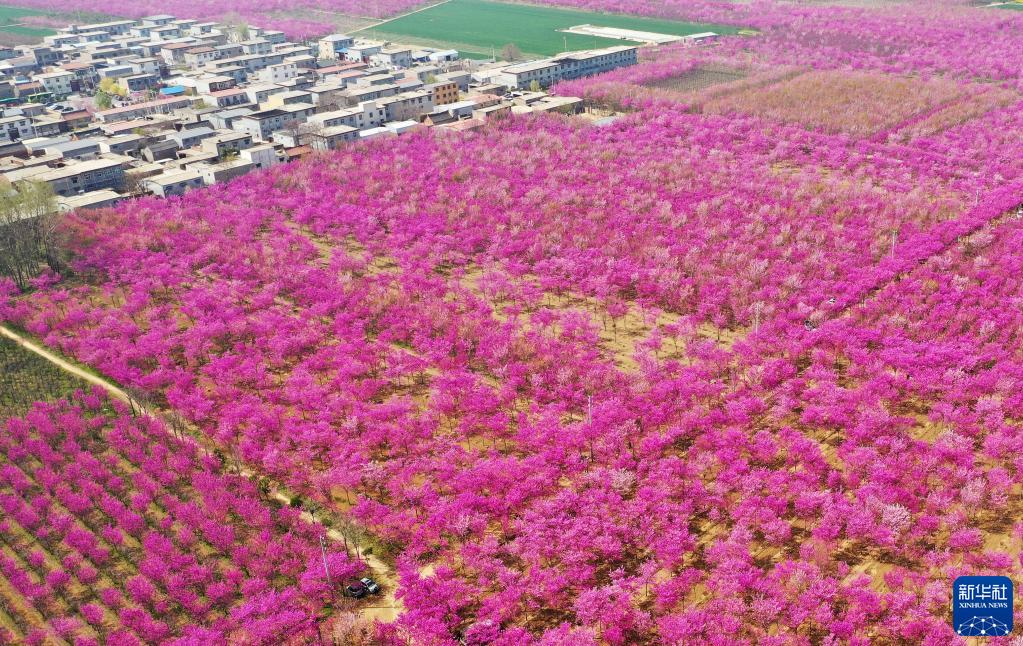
(982, 606)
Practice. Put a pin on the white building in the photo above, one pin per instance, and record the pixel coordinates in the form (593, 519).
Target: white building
(261, 156)
(278, 73)
(367, 114)
(167, 184)
(569, 65)
(334, 46)
(16, 127)
(59, 83)
(393, 57)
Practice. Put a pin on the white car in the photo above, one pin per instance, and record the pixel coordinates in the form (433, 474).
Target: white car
(371, 585)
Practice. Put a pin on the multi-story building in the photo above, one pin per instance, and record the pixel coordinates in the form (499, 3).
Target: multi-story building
(332, 138)
(261, 125)
(199, 56)
(334, 46)
(356, 95)
(279, 73)
(569, 65)
(393, 57)
(442, 93)
(158, 20)
(224, 171)
(366, 115)
(139, 110)
(148, 65)
(168, 184)
(362, 51)
(58, 83)
(78, 149)
(16, 127)
(139, 82)
(129, 144)
(85, 176)
(261, 155)
(260, 93)
(224, 143)
(407, 105)
(281, 99)
(165, 33)
(191, 137)
(226, 98)
(174, 53)
(259, 46)
(597, 61)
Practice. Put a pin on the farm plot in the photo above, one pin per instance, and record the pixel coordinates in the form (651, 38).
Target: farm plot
(479, 25)
(14, 29)
(26, 378)
(832, 102)
(114, 530)
(697, 79)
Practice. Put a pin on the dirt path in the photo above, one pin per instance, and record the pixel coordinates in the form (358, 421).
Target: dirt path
(386, 607)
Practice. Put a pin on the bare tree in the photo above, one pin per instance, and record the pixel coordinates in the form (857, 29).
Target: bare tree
(28, 231)
(511, 52)
(135, 185)
(351, 629)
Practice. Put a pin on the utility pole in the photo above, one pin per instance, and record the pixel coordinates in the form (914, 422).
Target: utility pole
(326, 569)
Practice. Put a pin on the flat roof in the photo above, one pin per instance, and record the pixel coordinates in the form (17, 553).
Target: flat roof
(164, 179)
(90, 198)
(141, 106)
(522, 68)
(264, 114)
(80, 144)
(296, 107)
(79, 168)
(177, 46)
(333, 131)
(193, 132)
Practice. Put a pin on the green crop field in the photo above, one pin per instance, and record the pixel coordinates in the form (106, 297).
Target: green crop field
(26, 377)
(10, 15)
(24, 30)
(476, 26)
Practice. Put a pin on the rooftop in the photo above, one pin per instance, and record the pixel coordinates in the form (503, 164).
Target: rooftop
(77, 169)
(167, 179)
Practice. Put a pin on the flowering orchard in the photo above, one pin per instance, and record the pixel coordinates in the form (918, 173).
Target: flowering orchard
(114, 531)
(740, 367)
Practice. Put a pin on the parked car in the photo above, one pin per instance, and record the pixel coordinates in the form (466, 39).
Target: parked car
(371, 585)
(357, 590)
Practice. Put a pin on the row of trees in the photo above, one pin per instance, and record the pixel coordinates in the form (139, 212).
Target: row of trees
(29, 233)
(124, 534)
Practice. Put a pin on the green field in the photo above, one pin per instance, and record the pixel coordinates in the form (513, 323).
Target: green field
(11, 16)
(27, 30)
(26, 377)
(476, 26)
